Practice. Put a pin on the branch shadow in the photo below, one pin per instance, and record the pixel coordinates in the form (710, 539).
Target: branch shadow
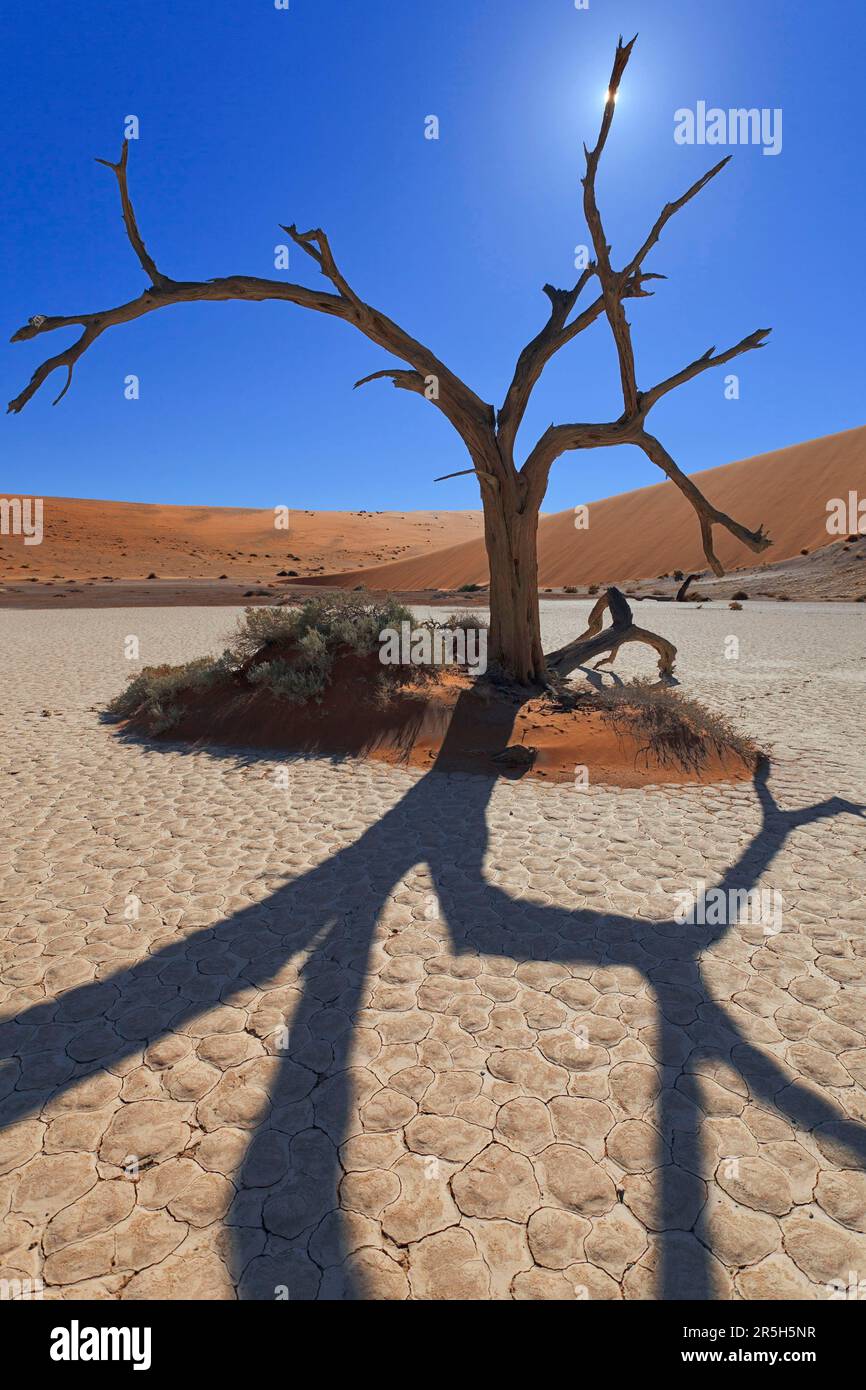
(287, 1229)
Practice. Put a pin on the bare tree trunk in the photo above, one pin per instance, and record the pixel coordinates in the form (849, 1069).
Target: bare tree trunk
(515, 626)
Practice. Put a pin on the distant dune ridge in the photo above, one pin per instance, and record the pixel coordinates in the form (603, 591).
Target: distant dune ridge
(636, 535)
(653, 530)
(131, 540)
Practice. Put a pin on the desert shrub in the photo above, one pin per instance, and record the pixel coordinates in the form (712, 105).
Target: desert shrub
(261, 627)
(737, 607)
(678, 574)
(463, 617)
(740, 594)
(593, 589)
(313, 630)
(675, 729)
(571, 588)
(153, 690)
(470, 588)
(303, 678)
(804, 551)
(783, 598)
(353, 620)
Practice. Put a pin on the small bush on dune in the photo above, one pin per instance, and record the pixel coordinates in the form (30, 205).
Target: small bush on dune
(352, 620)
(313, 630)
(301, 679)
(154, 688)
(675, 730)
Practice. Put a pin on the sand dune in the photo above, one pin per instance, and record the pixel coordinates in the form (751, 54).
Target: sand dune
(653, 530)
(636, 535)
(129, 540)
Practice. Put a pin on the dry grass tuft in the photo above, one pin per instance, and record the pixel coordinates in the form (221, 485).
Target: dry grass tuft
(672, 728)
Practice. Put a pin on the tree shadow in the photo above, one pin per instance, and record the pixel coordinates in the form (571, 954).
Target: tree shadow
(287, 1230)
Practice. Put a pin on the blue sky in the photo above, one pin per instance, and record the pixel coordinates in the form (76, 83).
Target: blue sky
(252, 116)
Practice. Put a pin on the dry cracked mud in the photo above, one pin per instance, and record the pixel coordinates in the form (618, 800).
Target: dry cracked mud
(305, 1029)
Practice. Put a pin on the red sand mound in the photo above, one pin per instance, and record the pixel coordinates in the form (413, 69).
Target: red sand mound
(447, 722)
(654, 530)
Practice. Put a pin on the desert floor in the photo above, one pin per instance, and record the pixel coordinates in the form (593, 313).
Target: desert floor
(300, 1029)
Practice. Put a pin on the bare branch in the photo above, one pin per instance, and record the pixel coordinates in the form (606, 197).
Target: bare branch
(701, 364)
(148, 264)
(597, 639)
(66, 359)
(611, 282)
(406, 380)
(316, 244)
(708, 515)
(480, 473)
(668, 211)
(532, 360)
(471, 417)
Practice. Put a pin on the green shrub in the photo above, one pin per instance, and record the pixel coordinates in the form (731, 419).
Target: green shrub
(154, 688)
(313, 630)
(353, 620)
(303, 678)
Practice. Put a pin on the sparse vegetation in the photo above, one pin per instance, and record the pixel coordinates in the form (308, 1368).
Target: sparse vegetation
(153, 690)
(305, 640)
(741, 595)
(674, 729)
(339, 619)
(736, 607)
(470, 588)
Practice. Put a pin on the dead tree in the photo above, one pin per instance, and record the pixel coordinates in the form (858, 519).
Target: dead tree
(511, 495)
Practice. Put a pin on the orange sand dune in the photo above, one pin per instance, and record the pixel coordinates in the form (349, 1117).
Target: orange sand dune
(127, 540)
(654, 530)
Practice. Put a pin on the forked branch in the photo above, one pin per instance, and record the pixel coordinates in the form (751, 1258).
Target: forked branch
(148, 264)
(598, 639)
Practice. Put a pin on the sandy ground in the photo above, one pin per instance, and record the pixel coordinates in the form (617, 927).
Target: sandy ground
(296, 1029)
(92, 542)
